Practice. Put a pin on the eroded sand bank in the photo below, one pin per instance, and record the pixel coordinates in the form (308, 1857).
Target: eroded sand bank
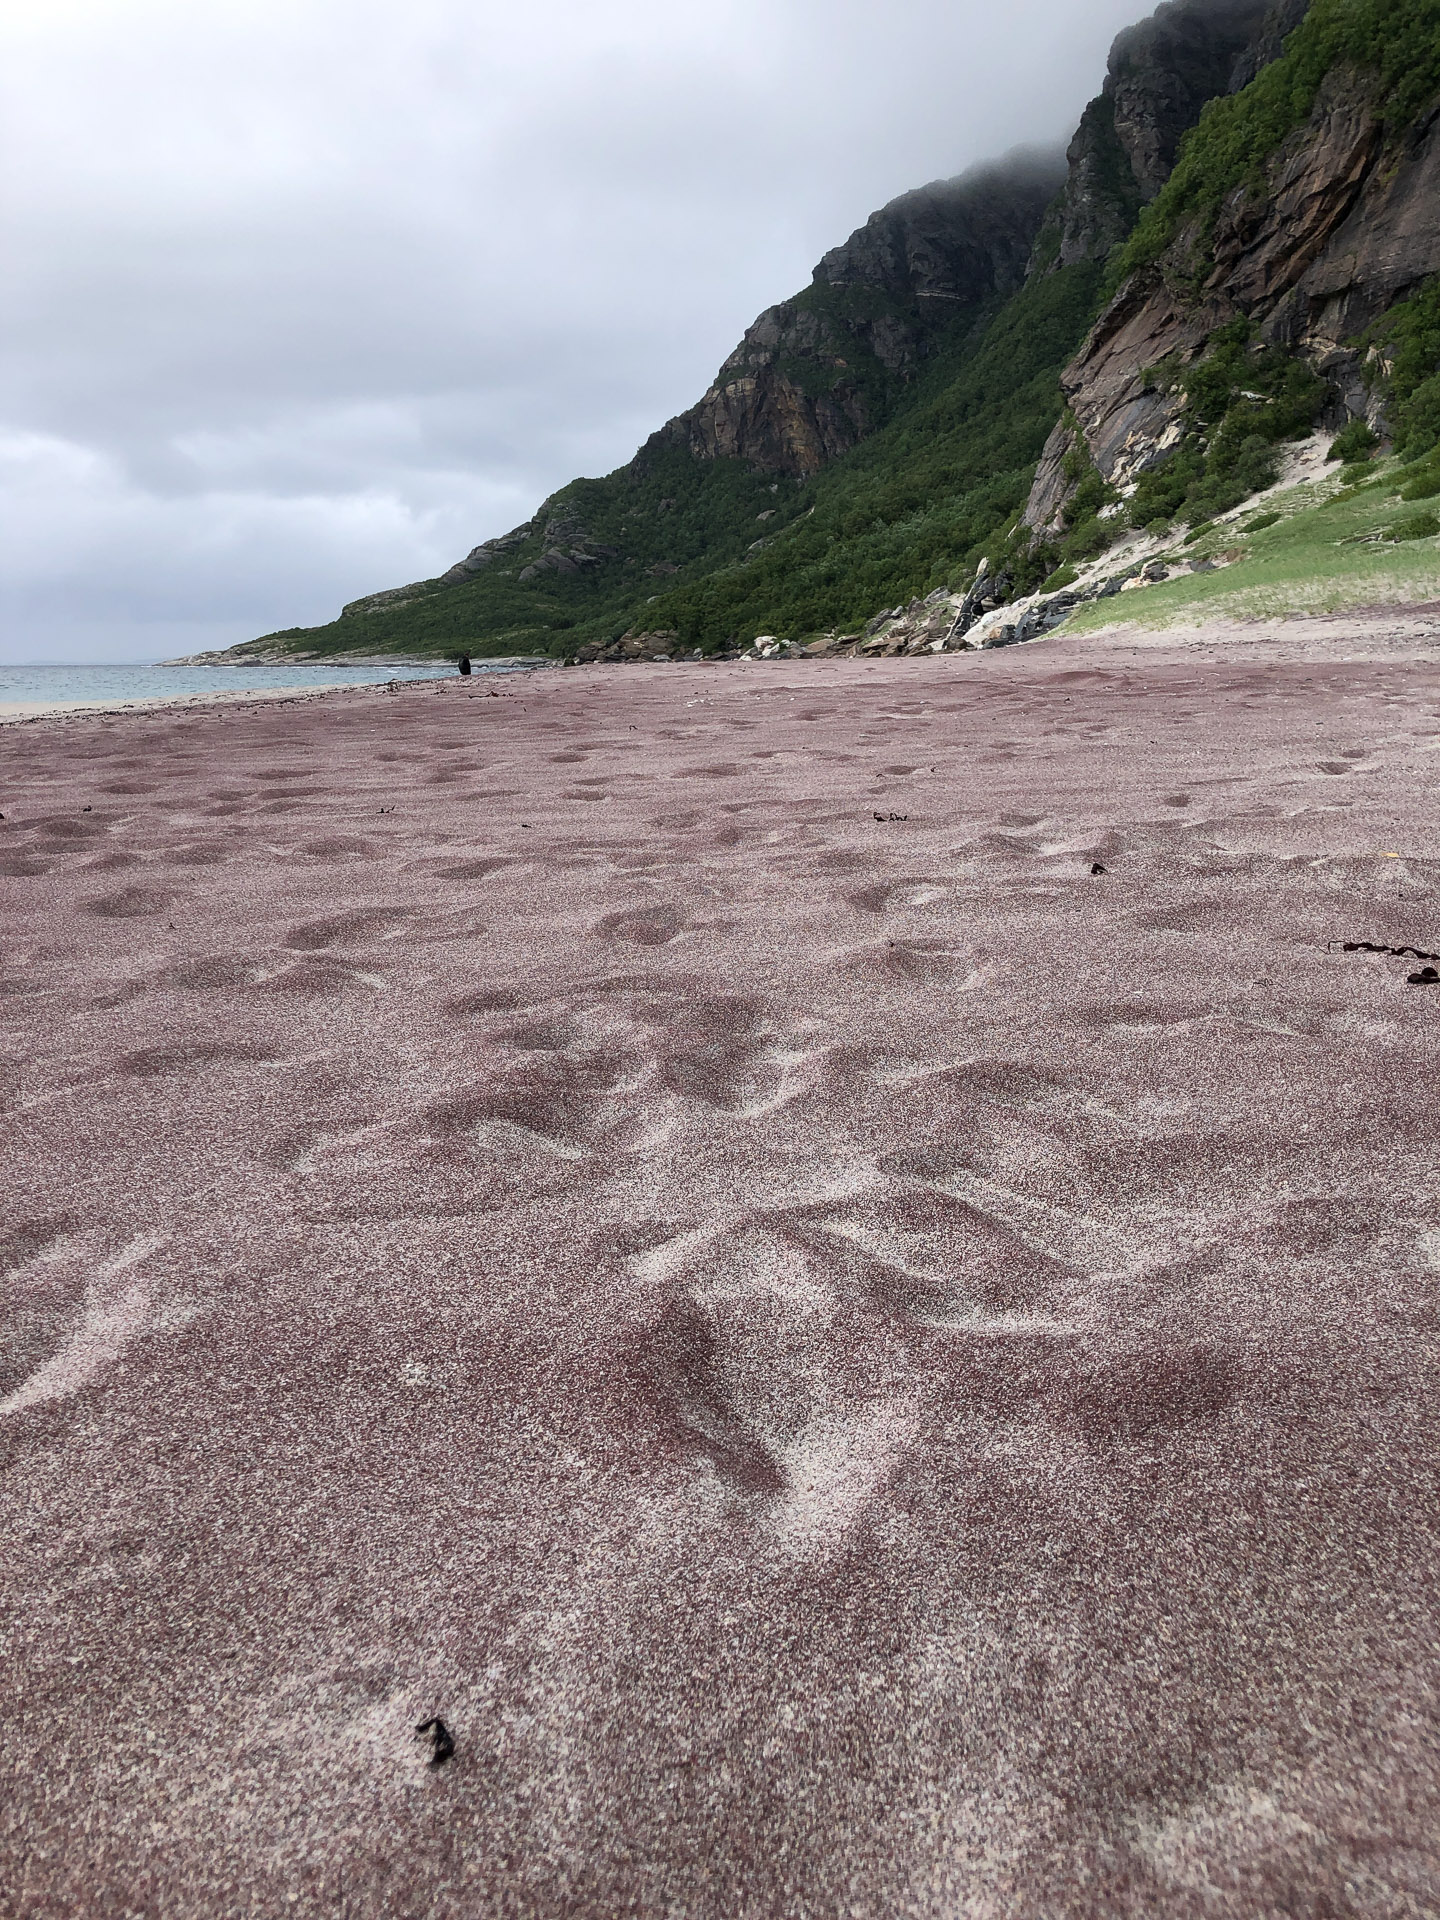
(672, 1219)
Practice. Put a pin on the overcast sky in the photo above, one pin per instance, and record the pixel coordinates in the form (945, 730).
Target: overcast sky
(303, 299)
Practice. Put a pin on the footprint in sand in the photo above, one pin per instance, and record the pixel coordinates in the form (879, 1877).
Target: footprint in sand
(908, 962)
(212, 973)
(551, 1035)
(725, 1053)
(339, 846)
(653, 926)
(945, 1262)
(771, 1356)
(346, 929)
(907, 891)
(1144, 1395)
(132, 903)
(472, 869)
(322, 978)
(487, 1000)
(62, 833)
(679, 1366)
(73, 1303)
(149, 1063)
(568, 1103)
(205, 854)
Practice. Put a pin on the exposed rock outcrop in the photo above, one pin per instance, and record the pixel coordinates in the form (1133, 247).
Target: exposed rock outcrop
(760, 411)
(1341, 228)
(632, 649)
(389, 599)
(1283, 18)
(1380, 238)
(964, 240)
(814, 375)
(570, 551)
(1163, 70)
(483, 556)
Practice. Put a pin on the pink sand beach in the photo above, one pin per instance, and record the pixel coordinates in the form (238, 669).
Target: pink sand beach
(834, 1265)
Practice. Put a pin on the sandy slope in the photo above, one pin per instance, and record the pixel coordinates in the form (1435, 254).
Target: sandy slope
(670, 1218)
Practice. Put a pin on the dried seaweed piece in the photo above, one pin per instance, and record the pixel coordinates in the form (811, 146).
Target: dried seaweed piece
(1369, 946)
(442, 1741)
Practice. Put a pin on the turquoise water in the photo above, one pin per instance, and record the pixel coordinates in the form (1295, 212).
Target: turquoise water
(119, 684)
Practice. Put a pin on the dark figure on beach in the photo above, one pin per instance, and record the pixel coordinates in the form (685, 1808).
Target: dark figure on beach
(464, 663)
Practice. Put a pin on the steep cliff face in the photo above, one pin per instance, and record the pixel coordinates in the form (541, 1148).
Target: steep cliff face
(815, 374)
(966, 239)
(1161, 73)
(788, 399)
(1281, 21)
(1342, 224)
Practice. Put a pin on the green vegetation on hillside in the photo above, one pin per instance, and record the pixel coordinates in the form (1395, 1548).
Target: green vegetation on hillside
(715, 551)
(912, 507)
(1242, 399)
(666, 511)
(839, 320)
(1409, 337)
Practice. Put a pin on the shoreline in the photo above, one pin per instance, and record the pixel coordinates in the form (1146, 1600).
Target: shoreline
(1413, 625)
(18, 712)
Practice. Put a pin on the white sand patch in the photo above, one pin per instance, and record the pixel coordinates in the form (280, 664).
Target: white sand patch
(761, 1265)
(834, 1471)
(114, 1314)
(16, 710)
(1240, 1820)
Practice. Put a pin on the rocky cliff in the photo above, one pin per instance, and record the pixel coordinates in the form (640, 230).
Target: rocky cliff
(815, 374)
(1339, 224)
(1161, 74)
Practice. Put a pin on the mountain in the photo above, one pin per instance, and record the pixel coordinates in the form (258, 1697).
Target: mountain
(815, 375)
(1161, 73)
(1240, 243)
(1253, 294)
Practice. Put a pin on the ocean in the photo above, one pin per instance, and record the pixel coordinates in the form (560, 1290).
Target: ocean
(64, 685)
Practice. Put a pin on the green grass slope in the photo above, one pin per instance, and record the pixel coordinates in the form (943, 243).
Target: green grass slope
(1369, 539)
